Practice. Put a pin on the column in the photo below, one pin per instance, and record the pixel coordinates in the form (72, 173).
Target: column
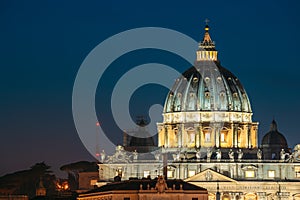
(166, 136)
(197, 135)
(181, 168)
(217, 135)
(200, 134)
(179, 136)
(249, 136)
(260, 171)
(235, 135)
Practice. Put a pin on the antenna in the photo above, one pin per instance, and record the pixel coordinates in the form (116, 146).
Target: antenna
(97, 150)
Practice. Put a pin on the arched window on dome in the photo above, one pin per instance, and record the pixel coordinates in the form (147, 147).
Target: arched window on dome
(169, 103)
(206, 100)
(245, 107)
(223, 104)
(177, 102)
(192, 101)
(236, 102)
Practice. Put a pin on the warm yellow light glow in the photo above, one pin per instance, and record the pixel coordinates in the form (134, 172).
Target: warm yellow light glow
(222, 137)
(66, 186)
(93, 182)
(146, 174)
(207, 137)
(249, 174)
(271, 173)
(297, 171)
(170, 174)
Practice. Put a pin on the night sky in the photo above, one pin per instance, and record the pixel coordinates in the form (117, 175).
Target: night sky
(43, 44)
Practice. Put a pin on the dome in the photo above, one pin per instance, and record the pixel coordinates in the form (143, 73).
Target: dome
(207, 107)
(207, 87)
(274, 138)
(140, 139)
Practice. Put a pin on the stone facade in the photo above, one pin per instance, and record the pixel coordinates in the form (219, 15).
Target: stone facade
(208, 138)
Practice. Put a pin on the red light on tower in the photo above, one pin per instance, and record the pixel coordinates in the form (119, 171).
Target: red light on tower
(97, 124)
(97, 154)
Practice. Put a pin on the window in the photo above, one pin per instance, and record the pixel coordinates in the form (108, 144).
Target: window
(207, 137)
(249, 174)
(192, 173)
(192, 136)
(224, 134)
(146, 174)
(93, 182)
(271, 174)
(126, 198)
(297, 171)
(195, 198)
(119, 172)
(222, 137)
(170, 174)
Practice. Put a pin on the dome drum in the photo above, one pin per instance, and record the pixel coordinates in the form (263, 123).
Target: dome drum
(196, 116)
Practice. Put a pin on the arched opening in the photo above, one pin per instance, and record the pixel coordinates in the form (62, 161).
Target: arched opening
(250, 196)
(226, 196)
(191, 137)
(207, 137)
(224, 138)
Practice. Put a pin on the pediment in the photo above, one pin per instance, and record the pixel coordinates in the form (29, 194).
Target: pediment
(210, 175)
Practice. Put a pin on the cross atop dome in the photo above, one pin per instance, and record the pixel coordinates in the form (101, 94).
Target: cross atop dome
(207, 49)
(206, 21)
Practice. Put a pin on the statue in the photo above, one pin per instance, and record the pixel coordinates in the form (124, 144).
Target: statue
(103, 155)
(282, 155)
(185, 157)
(208, 176)
(135, 155)
(219, 155)
(231, 155)
(296, 153)
(119, 156)
(161, 185)
(208, 154)
(291, 157)
(259, 154)
(176, 156)
(198, 154)
(240, 154)
(157, 155)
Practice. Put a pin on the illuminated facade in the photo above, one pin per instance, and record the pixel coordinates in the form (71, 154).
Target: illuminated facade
(147, 189)
(208, 138)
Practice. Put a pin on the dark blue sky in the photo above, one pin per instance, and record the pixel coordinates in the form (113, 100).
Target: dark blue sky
(43, 43)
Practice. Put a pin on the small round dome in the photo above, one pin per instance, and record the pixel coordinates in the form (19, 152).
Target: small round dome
(273, 142)
(141, 138)
(274, 138)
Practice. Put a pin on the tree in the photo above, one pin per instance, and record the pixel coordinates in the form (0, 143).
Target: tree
(26, 181)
